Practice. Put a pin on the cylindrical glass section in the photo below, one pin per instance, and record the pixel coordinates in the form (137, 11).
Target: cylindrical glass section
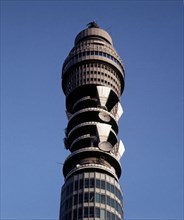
(91, 195)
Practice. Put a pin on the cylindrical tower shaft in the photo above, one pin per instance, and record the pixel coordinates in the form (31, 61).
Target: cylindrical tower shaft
(92, 80)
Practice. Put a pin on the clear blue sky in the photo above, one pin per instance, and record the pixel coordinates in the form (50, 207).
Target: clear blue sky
(36, 36)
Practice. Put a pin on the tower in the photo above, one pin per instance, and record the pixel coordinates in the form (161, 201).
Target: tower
(92, 81)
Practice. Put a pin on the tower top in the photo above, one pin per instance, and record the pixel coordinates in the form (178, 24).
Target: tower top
(93, 31)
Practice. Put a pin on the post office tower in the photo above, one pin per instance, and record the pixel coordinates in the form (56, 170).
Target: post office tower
(92, 81)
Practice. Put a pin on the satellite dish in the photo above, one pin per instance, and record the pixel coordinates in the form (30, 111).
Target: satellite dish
(105, 146)
(104, 117)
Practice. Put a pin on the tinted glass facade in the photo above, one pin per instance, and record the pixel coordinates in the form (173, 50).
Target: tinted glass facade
(91, 195)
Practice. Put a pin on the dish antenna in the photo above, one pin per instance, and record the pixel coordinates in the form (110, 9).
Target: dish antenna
(104, 117)
(105, 146)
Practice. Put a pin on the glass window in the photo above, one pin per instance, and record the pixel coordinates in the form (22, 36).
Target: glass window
(85, 212)
(108, 201)
(69, 215)
(70, 201)
(86, 183)
(97, 212)
(81, 184)
(116, 191)
(86, 197)
(119, 195)
(74, 214)
(80, 213)
(91, 197)
(103, 199)
(113, 217)
(102, 214)
(108, 186)
(97, 197)
(108, 215)
(91, 183)
(112, 188)
(112, 203)
(81, 198)
(91, 211)
(116, 204)
(75, 199)
(102, 184)
(119, 208)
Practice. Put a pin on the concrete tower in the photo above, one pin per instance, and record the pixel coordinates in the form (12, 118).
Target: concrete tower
(93, 81)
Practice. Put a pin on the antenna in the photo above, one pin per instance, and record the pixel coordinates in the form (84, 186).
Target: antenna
(105, 146)
(109, 28)
(60, 163)
(104, 117)
(92, 24)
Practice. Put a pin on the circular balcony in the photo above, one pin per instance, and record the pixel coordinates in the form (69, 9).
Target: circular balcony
(92, 114)
(77, 156)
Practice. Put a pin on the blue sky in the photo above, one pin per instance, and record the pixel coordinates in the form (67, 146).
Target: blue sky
(36, 36)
